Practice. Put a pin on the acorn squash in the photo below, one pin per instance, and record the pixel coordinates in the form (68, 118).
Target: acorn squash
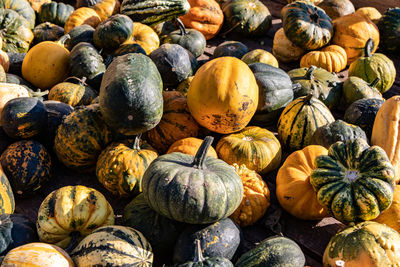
(144, 36)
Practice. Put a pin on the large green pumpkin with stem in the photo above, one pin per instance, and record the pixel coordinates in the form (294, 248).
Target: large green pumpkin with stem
(195, 190)
(354, 181)
(55, 12)
(15, 31)
(22, 7)
(389, 29)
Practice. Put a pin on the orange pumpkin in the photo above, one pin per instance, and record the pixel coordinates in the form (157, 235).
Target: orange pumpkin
(83, 15)
(284, 50)
(106, 8)
(4, 60)
(144, 36)
(189, 146)
(333, 58)
(391, 216)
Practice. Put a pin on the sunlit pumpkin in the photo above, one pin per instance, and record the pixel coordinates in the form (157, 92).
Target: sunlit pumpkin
(391, 216)
(333, 58)
(106, 8)
(284, 50)
(4, 60)
(144, 36)
(371, 12)
(83, 15)
(190, 146)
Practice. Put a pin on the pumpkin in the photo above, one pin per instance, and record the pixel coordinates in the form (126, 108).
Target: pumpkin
(15, 79)
(81, 137)
(55, 12)
(23, 8)
(144, 36)
(219, 98)
(337, 131)
(260, 55)
(106, 8)
(255, 147)
(213, 239)
(284, 50)
(354, 181)
(40, 254)
(10, 91)
(15, 31)
(86, 3)
(372, 66)
(231, 49)
(83, 33)
(3, 75)
(189, 146)
(164, 28)
(130, 94)
(16, 59)
(275, 251)
(46, 64)
(337, 8)
(129, 48)
(333, 58)
(128, 247)
(205, 16)
(371, 12)
(390, 217)
(256, 197)
(364, 244)
(389, 29)
(6, 195)
(56, 111)
(4, 60)
(73, 91)
(306, 25)
(80, 16)
(47, 32)
(300, 119)
(355, 88)
(37, 4)
(70, 213)
(27, 164)
(216, 197)
(183, 87)
(293, 189)
(315, 2)
(247, 17)
(176, 123)
(352, 33)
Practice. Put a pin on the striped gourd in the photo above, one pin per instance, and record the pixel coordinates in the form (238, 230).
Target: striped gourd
(113, 246)
(300, 119)
(7, 202)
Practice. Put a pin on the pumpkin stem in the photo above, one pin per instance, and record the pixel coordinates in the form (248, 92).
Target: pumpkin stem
(181, 27)
(198, 256)
(136, 143)
(309, 74)
(81, 81)
(198, 161)
(74, 241)
(369, 46)
(307, 99)
(63, 38)
(375, 82)
(38, 93)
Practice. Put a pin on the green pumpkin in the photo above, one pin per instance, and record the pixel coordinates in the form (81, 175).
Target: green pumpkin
(355, 88)
(195, 190)
(231, 49)
(389, 29)
(56, 112)
(354, 181)
(82, 33)
(212, 238)
(73, 91)
(164, 28)
(275, 93)
(324, 85)
(22, 7)
(55, 12)
(47, 32)
(372, 66)
(274, 251)
(15, 79)
(306, 25)
(129, 48)
(5, 232)
(112, 32)
(247, 17)
(15, 31)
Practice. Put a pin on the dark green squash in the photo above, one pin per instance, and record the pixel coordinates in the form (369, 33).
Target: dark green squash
(355, 88)
(5, 232)
(55, 12)
(306, 25)
(131, 94)
(56, 111)
(164, 28)
(337, 8)
(15, 79)
(15, 31)
(231, 49)
(129, 48)
(274, 251)
(389, 29)
(86, 3)
(47, 32)
(22, 7)
(82, 33)
(16, 60)
(213, 239)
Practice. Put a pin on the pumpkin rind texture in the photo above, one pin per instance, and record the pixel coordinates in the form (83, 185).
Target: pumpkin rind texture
(6, 195)
(83, 33)
(5, 232)
(284, 50)
(83, 15)
(55, 12)
(47, 32)
(260, 55)
(355, 88)
(391, 216)
(372, 13)
(144, 36)
(71, 92)
(56, 112)
(21, 7)
(333, 58)
(337, 8)
(18, 35)
(389, 28)
(106, 8)
(354, 181)
(189, 146)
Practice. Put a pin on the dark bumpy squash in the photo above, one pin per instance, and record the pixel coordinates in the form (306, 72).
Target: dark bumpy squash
(355, 88)
(73, 91)
(22, 7)
(337, 131)
(83, 33)
(56, 112)
(6, 195)
(389, 29)
(96, 249)
(131, 94)
(15, 31)
(27, 164)
(151, 13)
(231, 49)
(5, 231)
(129, 48)
(354, 181)
(55, 12)
(364, 244)
(47, 32)
(306, 25)
(337, 8)
(81, 138)
(300, 119)
(213, 239)
(273, 251)
(215, 198)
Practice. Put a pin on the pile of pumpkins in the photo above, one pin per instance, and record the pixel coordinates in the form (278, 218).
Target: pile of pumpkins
(101, 95)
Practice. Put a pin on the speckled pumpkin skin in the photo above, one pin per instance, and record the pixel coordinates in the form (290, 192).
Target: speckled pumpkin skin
(72, 209)
(72, 94)
(7, 202)
(27, 164)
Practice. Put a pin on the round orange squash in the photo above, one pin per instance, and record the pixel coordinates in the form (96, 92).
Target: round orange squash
(144, 36)
(371, 12)
(391, 216)
(106, 8)
(284, 50)
(293, 189)
(83, 15)
(189, 146)
(333, 58)
(223, 95)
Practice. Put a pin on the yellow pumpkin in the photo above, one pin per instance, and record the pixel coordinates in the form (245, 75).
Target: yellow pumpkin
(144, 36)
(37, 4)
(333, 58)
(391, 216)
(256, 197)
(46, 64)
(83, 15)
(371, 12)
(260, 55)
(4, 60)
(293, 188)
(106, 8)
(190, 146)
(284, 50)
(223, 95)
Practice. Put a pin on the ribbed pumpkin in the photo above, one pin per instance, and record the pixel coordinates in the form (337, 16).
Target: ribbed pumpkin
(306, 25)
(293, 189)
(55, 12)
(223, 95)
(364, 244)
(144, 36)
(21, 7)
(47, 32)
(16, 32)
(231, 49)
(206, 16)
(73, 91)
(70, 213)
(300, 119)
(189, 146)
(6, 195)
(391, 216)
(81, 138)
(127, 248)
(39, 254)
(176, 123)
(260, 55)
(83, 15)
(36, 4)
(120, 167)
(106, 8)
(371, 12)
(333, 58)
(337, 8)
(355, 88)
(354, 181)
(256, 197)
(389, 30)
(46, 64)
(284, 50)
(217, 196)
(255, 147)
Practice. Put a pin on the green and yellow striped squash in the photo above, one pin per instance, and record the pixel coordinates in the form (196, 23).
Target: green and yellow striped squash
(354, 181)
(73, 91)
(7, 202)
(16, 32)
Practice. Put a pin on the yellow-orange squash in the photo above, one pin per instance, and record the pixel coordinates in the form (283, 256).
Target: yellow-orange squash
(4, 60)
(190, 146)
(391, 216)
(144, 36)
(80, 16)
(106, 8)
(333, 58)
(284, 50)
(293, 189)
(37, 4)
(223, 95)
(371, 12)
(256, 197)
(260, 55)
